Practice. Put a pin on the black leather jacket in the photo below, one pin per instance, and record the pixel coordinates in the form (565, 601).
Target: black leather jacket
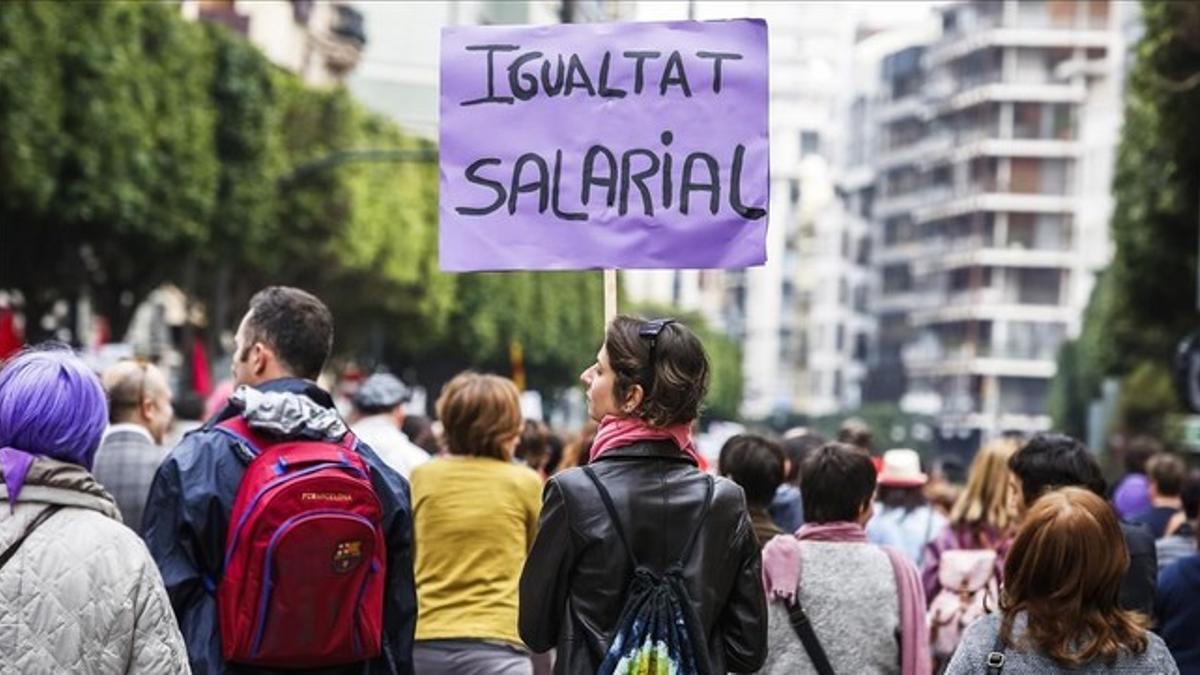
(573, 584)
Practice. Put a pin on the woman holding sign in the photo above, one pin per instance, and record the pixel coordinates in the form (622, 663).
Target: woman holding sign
(643, 561)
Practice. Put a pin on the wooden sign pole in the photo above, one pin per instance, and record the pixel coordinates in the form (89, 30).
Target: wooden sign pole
(610, 297)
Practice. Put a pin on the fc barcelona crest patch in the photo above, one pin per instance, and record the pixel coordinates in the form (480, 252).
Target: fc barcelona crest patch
(347, 556)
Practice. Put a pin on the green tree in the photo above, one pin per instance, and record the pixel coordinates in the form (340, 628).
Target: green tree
(119, 154)
(1145, 303)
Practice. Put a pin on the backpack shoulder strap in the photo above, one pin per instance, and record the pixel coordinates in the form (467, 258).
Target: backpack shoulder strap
(33, 525)
(995, 658)
(808, 637)
(612, 513)
(691, 542)
(237, 429)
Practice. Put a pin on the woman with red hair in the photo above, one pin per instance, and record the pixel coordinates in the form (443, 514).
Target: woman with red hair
(1059, 606)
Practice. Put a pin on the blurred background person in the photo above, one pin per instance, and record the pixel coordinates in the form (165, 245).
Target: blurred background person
(475, 514)
(860, 606)
(555, 445)
(78, 590)
(139, 414)
(963, 566)
(903, 517)
(1131, 497)
(1182, 542)
(1166, 473)
(757, 464)
(1178, 604)
(946, 479)
(576, 451)
(533, 446)
(1059, 608)
(787, 508)
(377, 418)
(1050, 461)
(423, 433)
(855, 431)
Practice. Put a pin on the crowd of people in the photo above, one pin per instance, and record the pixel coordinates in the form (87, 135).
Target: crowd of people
(280, 535)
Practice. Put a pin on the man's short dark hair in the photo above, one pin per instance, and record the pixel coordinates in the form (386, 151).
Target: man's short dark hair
(796, 448)
(295, 324)
(855, 431)
(1167, 473)
(1050, 461)
(756, 464)
(836, 482)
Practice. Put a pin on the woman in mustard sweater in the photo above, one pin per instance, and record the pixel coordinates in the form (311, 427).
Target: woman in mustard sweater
(475, 514)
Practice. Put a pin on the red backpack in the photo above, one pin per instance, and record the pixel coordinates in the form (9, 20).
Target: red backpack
(305, 558)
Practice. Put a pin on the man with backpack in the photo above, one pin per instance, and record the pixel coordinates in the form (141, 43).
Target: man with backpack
(283, 541)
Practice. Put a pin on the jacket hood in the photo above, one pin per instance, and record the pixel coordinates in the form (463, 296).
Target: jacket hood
(51, 481)
(287, 414)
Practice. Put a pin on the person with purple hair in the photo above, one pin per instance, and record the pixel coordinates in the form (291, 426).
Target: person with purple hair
(78, 589)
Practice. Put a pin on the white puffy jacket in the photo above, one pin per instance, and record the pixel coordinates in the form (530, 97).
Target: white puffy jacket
(81, 594)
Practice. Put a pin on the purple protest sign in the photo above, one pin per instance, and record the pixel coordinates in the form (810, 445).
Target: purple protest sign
(620, 145)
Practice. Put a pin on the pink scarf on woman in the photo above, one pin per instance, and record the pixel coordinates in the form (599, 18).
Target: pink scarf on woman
(618, 432)
(781, 578)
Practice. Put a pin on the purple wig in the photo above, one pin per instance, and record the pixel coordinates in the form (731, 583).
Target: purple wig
(50, 404)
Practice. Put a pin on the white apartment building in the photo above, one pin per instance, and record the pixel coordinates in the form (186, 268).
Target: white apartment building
(993, 197)
(785, 313)
(319, 40)
(398, 75)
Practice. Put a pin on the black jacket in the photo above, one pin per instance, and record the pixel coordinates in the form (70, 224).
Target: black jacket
(1137, 586)
(573, 584)
(187, 517)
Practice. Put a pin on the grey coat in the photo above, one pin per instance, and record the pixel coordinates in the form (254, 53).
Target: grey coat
(125, 466)
(81, 594)
(980, 639)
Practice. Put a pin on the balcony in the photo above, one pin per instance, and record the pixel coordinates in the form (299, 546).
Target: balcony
(225, 15)
(921, 152)
(971, 201)
(1029, 36)
(930, 359)
(342, 42)
(1008, 422)
(1010, 147)
(968, 252)
(1013, 91)
(910, 106)
(910, 202)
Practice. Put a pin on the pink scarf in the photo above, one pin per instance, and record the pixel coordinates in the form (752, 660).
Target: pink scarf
(781, 577)
(618, 432)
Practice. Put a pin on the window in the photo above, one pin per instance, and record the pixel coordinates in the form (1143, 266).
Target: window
(810, 143)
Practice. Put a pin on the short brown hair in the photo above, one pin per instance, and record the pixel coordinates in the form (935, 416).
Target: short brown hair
(480, 415)
(1064, 570)
(673, 386)
(295, 324)
(837, 480)
(1167, 473)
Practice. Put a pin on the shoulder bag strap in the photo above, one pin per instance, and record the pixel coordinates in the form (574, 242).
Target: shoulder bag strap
(33, 525)
(612, 513)
(995, 658)
(691, 542)
(804, 630)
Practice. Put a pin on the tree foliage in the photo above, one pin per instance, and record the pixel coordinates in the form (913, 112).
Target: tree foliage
(137, 148)
(1146, 302)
